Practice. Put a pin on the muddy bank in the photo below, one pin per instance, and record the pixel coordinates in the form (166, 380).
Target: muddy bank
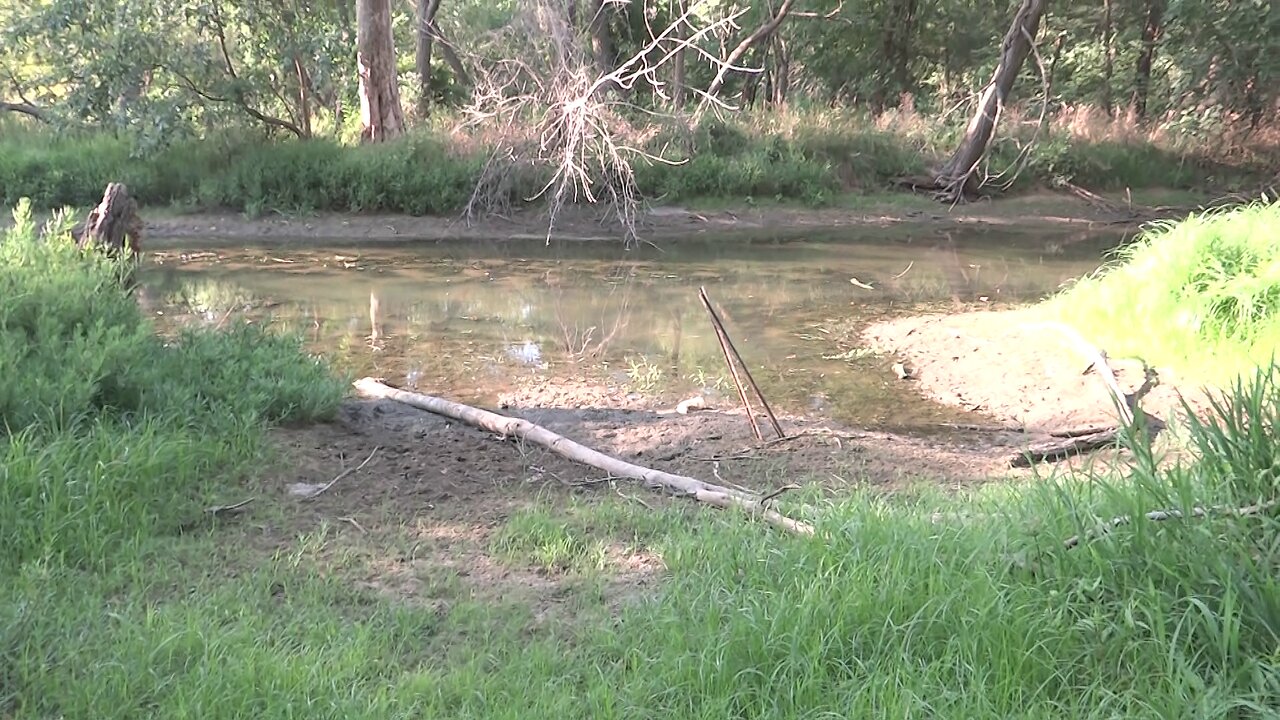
(428, 465)
(1013, 368)
(664, 223)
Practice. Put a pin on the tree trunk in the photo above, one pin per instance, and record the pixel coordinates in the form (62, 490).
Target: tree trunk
(304, 96)
(956, 177)
(344, 22)
(781, 72)
(113, 226)
(677, 61)
(425, 36)
(1108, 58)
(381, 117)
(1151, 31)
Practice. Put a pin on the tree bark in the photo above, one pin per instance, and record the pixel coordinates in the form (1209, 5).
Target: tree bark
(1108, 58)
(114, 225)
(425, 36)
(304, 96)
(956, 177)
(677, 61)
(1151, 31)
(504, 426)
(381, 116)
(781, 72)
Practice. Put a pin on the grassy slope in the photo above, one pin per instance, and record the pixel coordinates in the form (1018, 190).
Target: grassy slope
(1201, 296)
(113, 605)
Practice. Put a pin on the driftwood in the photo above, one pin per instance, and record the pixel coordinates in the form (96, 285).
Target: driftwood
(1078, 442)
(716, 495)
(114, 225)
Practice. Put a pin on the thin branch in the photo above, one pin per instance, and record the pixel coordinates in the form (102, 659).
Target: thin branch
(1162, 515)
(341, 475)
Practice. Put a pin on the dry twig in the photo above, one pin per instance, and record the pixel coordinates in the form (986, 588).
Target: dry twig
(324, 488)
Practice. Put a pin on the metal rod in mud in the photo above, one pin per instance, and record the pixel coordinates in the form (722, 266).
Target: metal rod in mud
(726, 345)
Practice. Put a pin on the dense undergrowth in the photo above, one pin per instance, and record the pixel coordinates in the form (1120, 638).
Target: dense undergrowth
(118, 598)
(1200, 296)
(807, 157)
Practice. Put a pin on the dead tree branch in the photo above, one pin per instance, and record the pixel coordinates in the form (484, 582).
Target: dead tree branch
(761, 33)
(711, 494)
(557, 118)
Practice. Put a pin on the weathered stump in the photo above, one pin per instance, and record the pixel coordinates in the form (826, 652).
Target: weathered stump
(114, 226)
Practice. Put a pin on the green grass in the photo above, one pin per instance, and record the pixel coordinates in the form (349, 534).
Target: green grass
(1200, 296)
(811, 158)
(886, 613)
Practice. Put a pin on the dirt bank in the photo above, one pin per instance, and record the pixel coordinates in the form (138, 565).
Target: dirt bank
(1012, 367)
(657, 224)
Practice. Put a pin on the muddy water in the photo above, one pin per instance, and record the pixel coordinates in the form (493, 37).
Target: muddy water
(475, 320)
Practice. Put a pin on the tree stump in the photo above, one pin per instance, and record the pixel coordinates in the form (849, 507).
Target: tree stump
(114, 225)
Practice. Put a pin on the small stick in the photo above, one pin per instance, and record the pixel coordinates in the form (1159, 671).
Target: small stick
(779, 491)
(725, 341)
(343, 474)
(733, 370)
(220, 509)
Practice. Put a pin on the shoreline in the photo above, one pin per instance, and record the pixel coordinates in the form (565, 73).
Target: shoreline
(658, 223)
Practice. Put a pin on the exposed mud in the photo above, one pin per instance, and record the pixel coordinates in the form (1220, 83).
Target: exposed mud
(1012, 367)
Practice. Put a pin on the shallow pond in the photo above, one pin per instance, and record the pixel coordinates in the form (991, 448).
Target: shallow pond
(472, 320)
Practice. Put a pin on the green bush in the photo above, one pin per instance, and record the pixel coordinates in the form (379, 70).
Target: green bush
(103, 425)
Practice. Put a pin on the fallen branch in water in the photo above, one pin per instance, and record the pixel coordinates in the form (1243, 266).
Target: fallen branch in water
(693, 488)
(1162, 515)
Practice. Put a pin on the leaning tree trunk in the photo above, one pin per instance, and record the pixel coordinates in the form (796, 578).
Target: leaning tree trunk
(380, 114)
(956, 177)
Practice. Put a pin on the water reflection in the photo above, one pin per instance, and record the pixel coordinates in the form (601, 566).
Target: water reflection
(469, 319)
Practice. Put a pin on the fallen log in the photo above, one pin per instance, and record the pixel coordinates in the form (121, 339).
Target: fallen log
(711, 494)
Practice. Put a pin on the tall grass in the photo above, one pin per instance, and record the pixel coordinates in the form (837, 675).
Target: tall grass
(802, 155)
(1201, 296)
